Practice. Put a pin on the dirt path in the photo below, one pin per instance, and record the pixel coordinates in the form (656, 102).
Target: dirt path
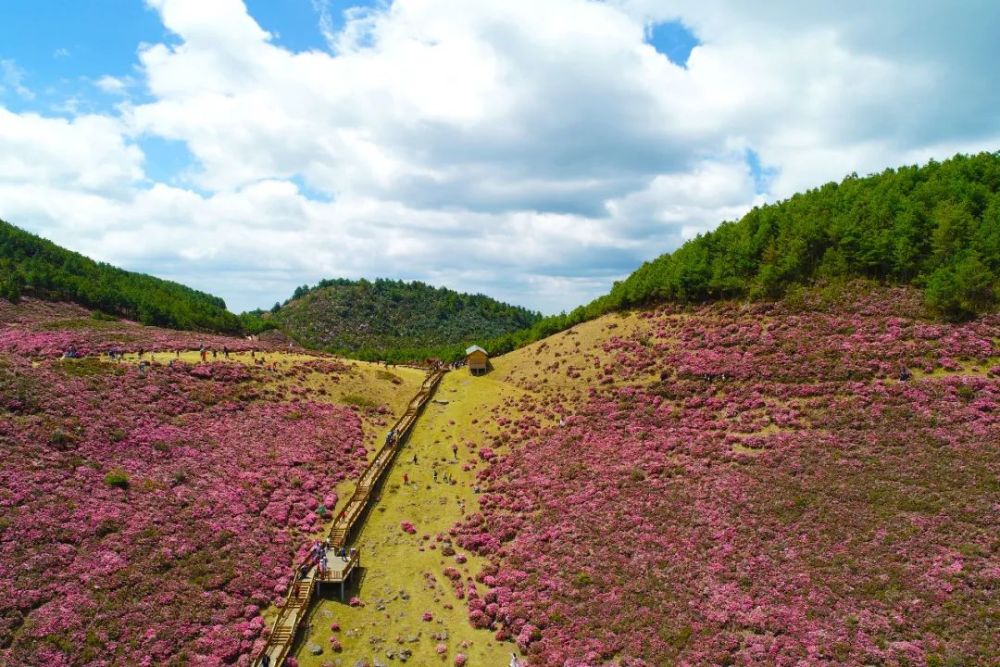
(403, 577)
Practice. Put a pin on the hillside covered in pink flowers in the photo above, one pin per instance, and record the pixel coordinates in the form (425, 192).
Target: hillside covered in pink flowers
(811, 482)
(149, 514)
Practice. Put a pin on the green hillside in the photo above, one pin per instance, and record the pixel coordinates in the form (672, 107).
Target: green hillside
(388, 319)
(936, 227)
(34, 266)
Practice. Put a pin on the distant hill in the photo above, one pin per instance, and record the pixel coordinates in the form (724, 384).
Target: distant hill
(32, 265)
(394, 319)
(935, 227)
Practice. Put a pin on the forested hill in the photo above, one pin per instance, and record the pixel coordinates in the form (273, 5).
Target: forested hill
(394, 319)
(35, 266)
(935, 227)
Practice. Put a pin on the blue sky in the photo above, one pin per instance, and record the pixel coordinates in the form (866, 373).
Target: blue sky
(535, 151)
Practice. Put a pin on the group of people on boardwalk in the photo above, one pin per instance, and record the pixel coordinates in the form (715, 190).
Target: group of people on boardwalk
(318, 557)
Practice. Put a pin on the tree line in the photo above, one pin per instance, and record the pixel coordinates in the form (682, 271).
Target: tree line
(30, 265)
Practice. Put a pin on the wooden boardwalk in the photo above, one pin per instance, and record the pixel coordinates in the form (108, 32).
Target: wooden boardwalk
(307, 576)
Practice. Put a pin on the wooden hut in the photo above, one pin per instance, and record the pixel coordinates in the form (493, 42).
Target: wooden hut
(477, 360)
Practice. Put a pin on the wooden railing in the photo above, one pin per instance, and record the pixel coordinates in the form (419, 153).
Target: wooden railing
(283, 630)
(291, 613)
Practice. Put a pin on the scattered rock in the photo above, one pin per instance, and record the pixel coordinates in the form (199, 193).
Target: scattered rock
(315, 649)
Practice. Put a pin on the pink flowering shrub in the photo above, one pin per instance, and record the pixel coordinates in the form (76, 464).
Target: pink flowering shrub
(148, 517)
(754, 486)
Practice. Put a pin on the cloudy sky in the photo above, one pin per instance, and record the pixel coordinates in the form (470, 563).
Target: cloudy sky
(534, 150)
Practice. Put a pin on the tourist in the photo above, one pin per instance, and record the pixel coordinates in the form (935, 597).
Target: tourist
(454, 451)
(390, 436)
(265, 660)
(225, 351)
(435, 476)
(406, 479)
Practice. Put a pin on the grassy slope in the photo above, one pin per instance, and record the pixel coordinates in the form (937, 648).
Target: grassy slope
(395, 561)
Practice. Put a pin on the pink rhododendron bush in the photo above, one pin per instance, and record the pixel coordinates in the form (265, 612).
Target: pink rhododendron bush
(147, 516)
(754, 485)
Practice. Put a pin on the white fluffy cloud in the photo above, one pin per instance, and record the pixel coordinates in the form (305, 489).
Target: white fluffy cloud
(532, 150)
